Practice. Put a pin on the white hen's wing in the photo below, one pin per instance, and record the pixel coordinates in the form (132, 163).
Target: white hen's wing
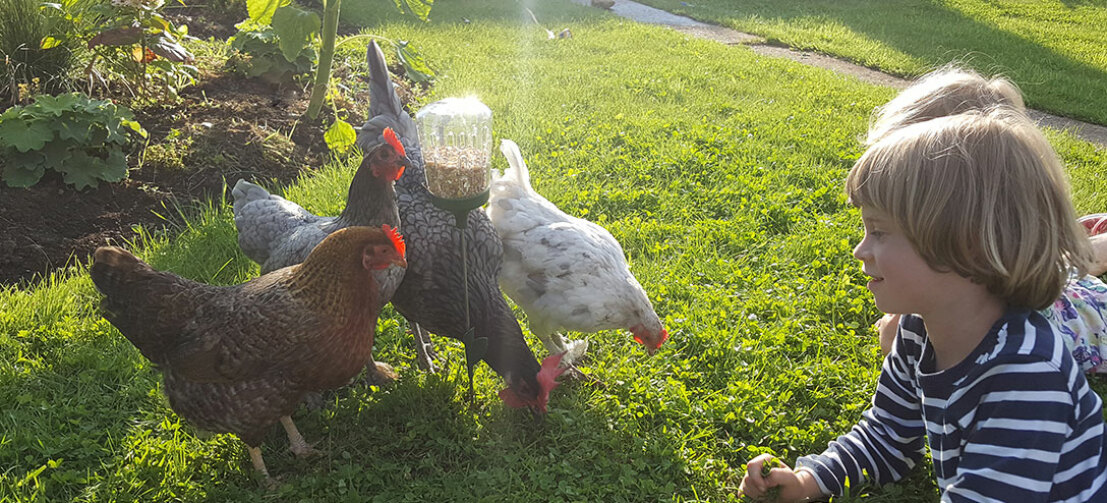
(272, 230)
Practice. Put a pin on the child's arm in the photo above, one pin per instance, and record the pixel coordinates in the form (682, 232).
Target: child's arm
(889, 440)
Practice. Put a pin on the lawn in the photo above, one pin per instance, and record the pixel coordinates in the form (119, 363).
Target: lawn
(1053, 49)
(720, 172)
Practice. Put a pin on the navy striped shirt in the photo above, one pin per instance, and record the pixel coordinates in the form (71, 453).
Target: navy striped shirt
(1015, 421)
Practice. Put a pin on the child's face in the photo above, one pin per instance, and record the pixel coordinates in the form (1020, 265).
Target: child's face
(902, 282)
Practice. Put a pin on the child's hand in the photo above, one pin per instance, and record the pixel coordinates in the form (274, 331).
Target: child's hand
(887, 326)
(768, 479)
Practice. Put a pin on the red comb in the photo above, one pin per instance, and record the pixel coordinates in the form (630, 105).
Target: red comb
(547, 377)
(397, 239)
(390, 137)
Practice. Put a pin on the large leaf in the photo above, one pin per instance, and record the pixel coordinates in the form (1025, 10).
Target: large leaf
(58, 153)
(115, 167)
(76, 128)
(415, 66)
(261, 11)
(295, 28)
(53, 105)
(81, 171)
(420, 8)
(25, 135)
(22, 169)
(340, 136)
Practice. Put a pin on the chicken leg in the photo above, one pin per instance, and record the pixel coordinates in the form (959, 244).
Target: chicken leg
(423, 348)
(296, 442)
(259, 466)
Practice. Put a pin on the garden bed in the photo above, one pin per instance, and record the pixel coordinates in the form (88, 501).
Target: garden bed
(224, 129)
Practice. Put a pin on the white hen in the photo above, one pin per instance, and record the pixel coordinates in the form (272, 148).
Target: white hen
(565, 272)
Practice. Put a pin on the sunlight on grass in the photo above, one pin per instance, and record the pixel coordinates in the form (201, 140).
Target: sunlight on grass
(1052, 49)
(720, 171)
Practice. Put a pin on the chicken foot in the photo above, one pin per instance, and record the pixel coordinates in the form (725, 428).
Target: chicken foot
(259, 466)
(296, 442)
(557, 344)
(573, 351)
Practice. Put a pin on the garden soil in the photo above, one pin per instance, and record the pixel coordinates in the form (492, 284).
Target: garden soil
(224, 129)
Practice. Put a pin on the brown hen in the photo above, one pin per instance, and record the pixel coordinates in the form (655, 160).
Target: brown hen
(239, 358)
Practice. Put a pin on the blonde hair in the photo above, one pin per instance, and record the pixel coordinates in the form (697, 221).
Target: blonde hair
(946, 91)
(981, 194)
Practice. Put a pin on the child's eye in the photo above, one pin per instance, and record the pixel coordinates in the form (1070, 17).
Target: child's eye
(877, 234)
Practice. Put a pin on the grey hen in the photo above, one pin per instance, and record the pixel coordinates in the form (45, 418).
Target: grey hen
(277, 233)
(431, 295)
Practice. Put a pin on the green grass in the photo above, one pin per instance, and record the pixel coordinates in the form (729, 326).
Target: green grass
(719, 171)
(1053, 49)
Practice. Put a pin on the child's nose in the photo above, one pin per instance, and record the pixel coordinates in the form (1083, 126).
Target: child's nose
(861, 251)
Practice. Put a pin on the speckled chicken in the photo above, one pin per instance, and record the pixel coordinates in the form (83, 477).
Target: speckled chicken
(431, 295)
(239, 358)
(567, 273)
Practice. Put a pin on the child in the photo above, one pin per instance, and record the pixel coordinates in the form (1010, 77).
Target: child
(1081, 310)
(968, 225)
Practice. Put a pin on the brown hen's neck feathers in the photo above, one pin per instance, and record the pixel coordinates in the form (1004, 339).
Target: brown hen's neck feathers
(333, 281)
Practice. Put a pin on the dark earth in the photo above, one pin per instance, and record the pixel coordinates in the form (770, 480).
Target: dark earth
(226, 127)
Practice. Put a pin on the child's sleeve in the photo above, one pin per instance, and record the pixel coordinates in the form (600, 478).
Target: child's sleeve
(887, 442)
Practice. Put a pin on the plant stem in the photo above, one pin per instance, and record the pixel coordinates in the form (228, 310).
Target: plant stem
(326, 57)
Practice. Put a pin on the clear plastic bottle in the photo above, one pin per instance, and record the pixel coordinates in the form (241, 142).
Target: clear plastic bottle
(456, 137)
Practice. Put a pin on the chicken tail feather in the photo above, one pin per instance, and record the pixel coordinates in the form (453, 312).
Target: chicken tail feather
(119, 275)
(517, 168)
(244, 192)
(111, 269)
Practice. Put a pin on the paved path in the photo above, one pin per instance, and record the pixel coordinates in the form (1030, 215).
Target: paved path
(643, 13)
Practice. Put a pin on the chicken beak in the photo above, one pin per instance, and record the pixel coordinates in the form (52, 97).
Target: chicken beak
(404, 163)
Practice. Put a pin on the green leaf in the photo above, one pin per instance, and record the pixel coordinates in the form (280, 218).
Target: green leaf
(420, 8)
(295, 29)
(115, 167)
(75, 129)
(25, 134)
(261, 11)
(49, 42)
(82, 171)
(23, 169)
(116, 133)
(52, 105)
(134, 126)
(415, 66)
(57, 154)
(340, 136)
